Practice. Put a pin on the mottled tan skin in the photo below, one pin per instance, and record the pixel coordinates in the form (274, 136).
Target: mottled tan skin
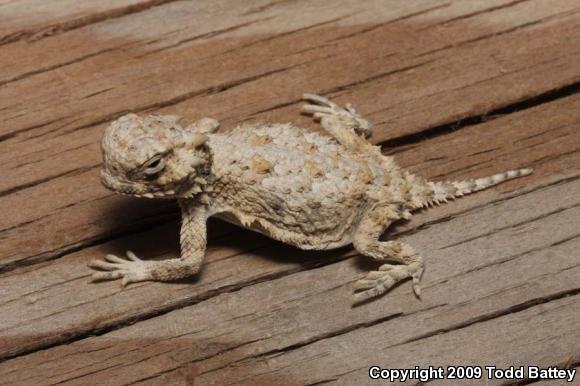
(309, 190)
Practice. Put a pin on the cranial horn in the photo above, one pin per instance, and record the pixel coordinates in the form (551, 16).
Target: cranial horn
(203, 126)
(198, 139)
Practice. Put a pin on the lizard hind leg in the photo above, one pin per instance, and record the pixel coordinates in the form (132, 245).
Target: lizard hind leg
(366, 241)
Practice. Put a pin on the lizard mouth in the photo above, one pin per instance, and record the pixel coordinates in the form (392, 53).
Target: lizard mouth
(132, 189)
(115, 185)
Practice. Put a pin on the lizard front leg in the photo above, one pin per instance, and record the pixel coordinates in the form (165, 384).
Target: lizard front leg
(344, 124)
(193, 239)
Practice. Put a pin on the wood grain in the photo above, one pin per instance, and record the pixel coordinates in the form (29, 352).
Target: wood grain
(456, 90)
(34, 20)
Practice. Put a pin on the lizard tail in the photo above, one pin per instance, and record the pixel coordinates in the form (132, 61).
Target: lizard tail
(443, 191)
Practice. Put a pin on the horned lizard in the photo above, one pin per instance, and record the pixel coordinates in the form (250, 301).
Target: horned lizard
(303, 188)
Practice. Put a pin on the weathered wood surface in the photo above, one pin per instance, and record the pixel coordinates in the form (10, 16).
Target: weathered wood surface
(456, 89)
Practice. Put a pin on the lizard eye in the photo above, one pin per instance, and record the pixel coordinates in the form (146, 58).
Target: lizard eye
(154, 165)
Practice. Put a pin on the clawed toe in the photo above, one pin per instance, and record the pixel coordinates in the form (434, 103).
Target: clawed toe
(359, 297)
(376, 283)
(102, 265)
(319, 99)
(317, 109)
(131, 256)
(114, 259)
(320, 107)
(364, 284)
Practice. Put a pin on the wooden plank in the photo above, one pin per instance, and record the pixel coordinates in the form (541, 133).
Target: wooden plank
(502, 264)
(51, 135)
(57, 303)
(505, 280)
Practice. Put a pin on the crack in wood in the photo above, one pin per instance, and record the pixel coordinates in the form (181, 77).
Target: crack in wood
(316, 338)
(14, 133)
(267, 6)
(554, 157)
(183, 97)
(493, 315)
(349, 86)
(323, 382)
(284, 34)
(220, 352)
(36, 219)
(143, 225)
(575, 364)
(506, 260)
(206, 35)
(115, 366)
(42, 180)
(472, 14)
(455, 125)
(194, 38)
(395, 20)
(500, 33)
(510, 258)
(69, 25)
(469, 166)
(484, 151)
(552, 138)
(63, 64)
(344, 87)
(543, 216)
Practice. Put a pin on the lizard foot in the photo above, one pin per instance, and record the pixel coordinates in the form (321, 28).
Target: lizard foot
(131, 269)
(322, 107)
(376, 283)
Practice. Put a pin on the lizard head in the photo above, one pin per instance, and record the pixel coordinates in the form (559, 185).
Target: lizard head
(153, 156)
